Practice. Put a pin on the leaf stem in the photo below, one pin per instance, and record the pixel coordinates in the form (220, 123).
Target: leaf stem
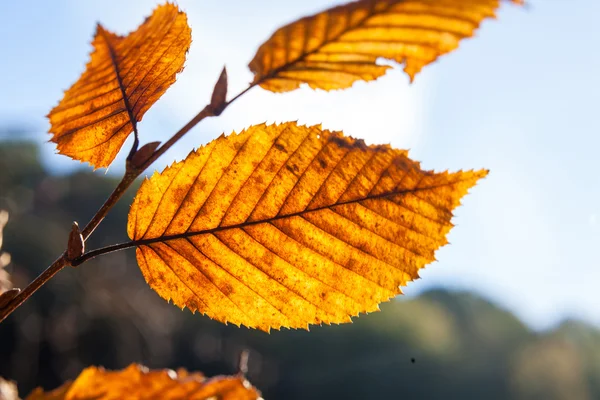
(205, 112)
(103, 250)
(115, 64)
(243, 92)
(129, 177)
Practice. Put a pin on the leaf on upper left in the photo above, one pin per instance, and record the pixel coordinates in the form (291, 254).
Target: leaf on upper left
(124, 78)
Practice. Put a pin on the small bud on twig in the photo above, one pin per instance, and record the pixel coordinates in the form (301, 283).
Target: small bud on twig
(218, 101)
(142, 155)
(76, 244)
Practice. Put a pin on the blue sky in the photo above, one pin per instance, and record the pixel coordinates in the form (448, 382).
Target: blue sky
(520, 99)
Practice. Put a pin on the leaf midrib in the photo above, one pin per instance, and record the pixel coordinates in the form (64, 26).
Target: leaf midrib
(273, 74)
(164, 238)
(115, 64)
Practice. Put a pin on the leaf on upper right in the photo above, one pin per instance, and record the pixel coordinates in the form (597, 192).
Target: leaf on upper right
(288, 225)
(334, 48)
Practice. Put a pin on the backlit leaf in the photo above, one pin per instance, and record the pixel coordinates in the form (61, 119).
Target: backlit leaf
(287, 225)
(137, 382)
(124, 78)
(335, 48)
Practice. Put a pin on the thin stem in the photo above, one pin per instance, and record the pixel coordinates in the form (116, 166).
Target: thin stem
(104, 250)
(114, 197)
(130, 176)
(240, 94)
(206, 112)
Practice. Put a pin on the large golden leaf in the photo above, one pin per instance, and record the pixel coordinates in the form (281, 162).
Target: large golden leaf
(286, 225)
(124, 78)
(335, 48)
(136, 382)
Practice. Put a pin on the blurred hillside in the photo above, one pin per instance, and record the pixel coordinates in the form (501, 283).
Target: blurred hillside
(450, 345)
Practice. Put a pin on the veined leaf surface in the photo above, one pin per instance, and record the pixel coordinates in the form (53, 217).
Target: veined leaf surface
(287, 225)
(335, 48)
(124, 78)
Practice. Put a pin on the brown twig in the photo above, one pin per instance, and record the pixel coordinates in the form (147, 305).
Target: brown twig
(131, 174)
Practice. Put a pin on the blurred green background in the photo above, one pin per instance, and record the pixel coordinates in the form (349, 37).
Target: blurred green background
(441, 344)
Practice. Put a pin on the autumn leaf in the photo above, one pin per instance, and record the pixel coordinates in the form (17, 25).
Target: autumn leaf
(137, 382)
(287, 225)
(335, 48)
(124, 78)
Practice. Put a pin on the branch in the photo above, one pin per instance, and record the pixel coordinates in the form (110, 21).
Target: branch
(131, 174)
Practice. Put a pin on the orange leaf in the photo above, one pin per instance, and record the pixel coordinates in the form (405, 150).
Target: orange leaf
(137, 382)
(124, 78)
(287, 225)
(335, 48)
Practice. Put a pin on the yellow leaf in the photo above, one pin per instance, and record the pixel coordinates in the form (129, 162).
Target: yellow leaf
(124, 78)
(287, 225)
(137, 382)
(335, 48)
